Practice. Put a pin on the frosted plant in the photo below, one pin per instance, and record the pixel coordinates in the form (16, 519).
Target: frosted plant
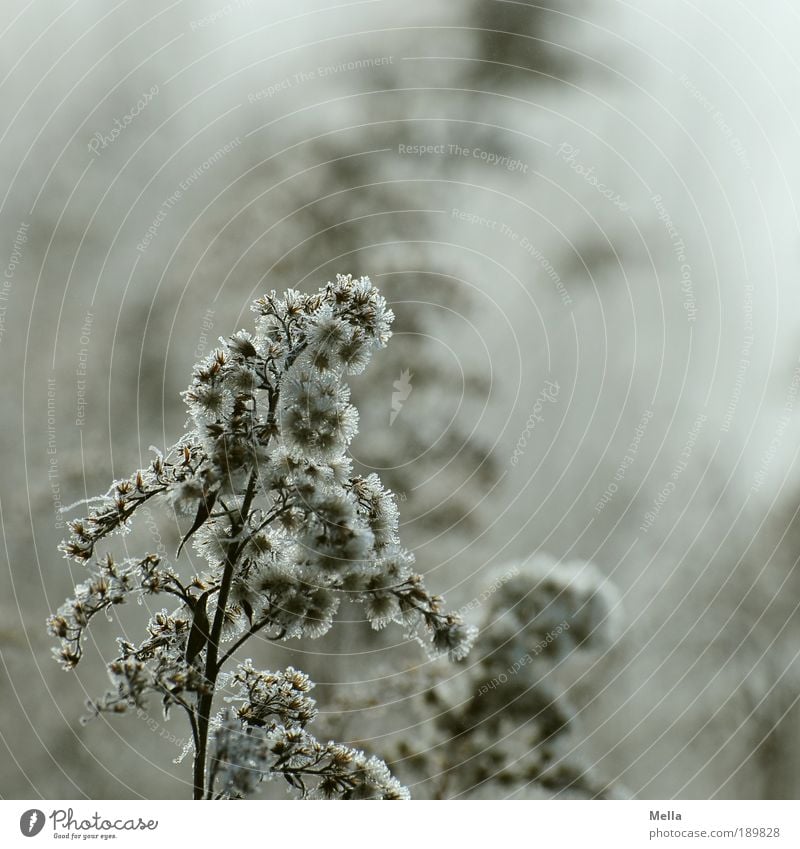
(285, 528)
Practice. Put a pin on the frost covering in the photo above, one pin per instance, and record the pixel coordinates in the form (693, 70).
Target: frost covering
(285, 528)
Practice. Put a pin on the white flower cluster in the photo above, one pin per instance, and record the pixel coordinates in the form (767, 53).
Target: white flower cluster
(275, 402)
(243, 757)
(267, 737)
(285, 526)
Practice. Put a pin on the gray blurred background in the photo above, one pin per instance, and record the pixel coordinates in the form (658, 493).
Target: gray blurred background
(600, 195)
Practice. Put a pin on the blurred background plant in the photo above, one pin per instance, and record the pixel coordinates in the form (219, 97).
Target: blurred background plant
(504, 728)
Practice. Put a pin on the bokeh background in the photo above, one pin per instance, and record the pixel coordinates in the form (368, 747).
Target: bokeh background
(598, 195)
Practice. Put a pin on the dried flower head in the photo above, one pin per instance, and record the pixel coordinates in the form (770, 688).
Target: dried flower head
(285, 528)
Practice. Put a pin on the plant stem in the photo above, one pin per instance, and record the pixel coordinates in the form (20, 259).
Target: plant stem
(206, 699)
(253, 629)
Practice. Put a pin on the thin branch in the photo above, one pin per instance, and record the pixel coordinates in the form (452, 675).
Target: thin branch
(254, 629)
